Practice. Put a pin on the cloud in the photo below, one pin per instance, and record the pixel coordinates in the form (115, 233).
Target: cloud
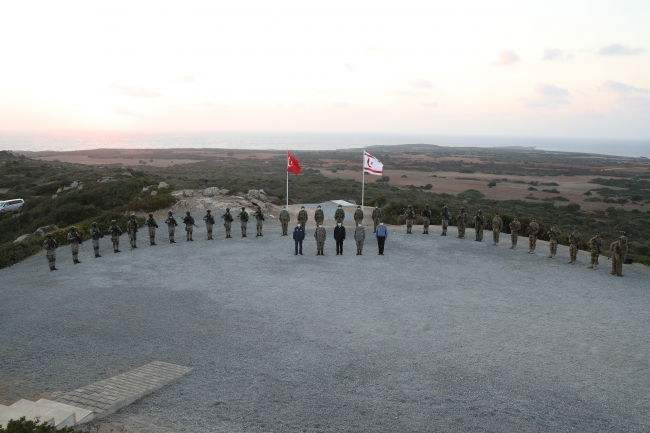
(615, 86)
(123, 112)
(506, 58)
(552, 54)
(188, 79)
(547, 103)
(551, 96)
(635, 102)
(350, 68)
(342, 104)
(139, 93)
(431, 104)
(549, 90)
(423, 84)
(401, 93)
(619, 50)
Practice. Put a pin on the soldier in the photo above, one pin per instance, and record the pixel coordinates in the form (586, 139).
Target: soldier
(622, 252)
(303, 217)
(115, 232)
(188, 220)
(445, 216)
(554, 235)
(461, 222)
(409, 216)
(515, 226)
(209, 223)
(171, 226)
(95, 235)
(615, 249)
(479, 223)
(320, 235)
(227, 221)
(497, 226)
(339, 215)
(284, 219)
(358, 215)
(75, 241)
(533, 229)
(376, 217)
(243, 221)
(574, 241)
(595, 245)
(359, 237)
(319, 216)
(426, 219)
(153, 225)
(132, 229)
(259, 217)
(50, 246)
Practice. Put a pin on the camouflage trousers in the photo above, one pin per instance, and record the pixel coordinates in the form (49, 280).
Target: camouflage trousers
(75, 250)
(244, 225)
(532, 242)
(320, 245)
(479, 233)
(189, 228)
(445, 224)
(171, 229)
(594, 258)
(617, 265)
(115, 239)
(208, 227)
(553, 247)
(409, 225)
(285, 227)
(375, 223)
(258, 225)
(227, 225)
(495, 235)
(133, 237)
(461, 230)
(359, 245)
(152, 234)
(425, 222)
(51, 258)
(303, 224)
(573, 252)
(96, 246)
(514, 238)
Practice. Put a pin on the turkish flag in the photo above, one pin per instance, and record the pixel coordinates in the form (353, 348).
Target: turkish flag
(292, 164)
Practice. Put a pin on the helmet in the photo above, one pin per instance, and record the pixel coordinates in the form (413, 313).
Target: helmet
(462, 208)
(72, 228)
(94, 224)
(444, 207)
(188, 212)
(208, 210)
(150, 214)
(113, 221)
(410, 206)
(426, 205)
(49, 235)
(376, 205)
(243, 208)
(227, 209)
(480, 211)
(317, 206)
(132, 215)
(258, 208)
(170, 212)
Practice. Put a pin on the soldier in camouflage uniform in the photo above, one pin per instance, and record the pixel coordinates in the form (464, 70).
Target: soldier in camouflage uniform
(171, 226)
(461, 222)
(302, 218)
(359, 237)
(426, 219)
(574, 242)
(188, 220)
(50, 246)
(409, 216)
(152, 226)
(554, 235)
(479, 224)
(319, 216)
(320, 234)
(227, 222)
(339, 215)
(285, 217)
(95, 235)
(497, 226)
(132, 229)
(533, 229)
(595, 245)
(616, 257)
(515, 226)
(445, 217)
(209, 223)
(259, 217)
(358, 216)
(376, 216)
(115, 232)
(243, 221)
(75, 241)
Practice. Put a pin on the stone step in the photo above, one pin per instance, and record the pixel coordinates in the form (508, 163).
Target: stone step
(62, 418)
(8, 413)
(81, 415)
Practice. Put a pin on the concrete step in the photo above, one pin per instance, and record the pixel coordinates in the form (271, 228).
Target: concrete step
(8, 413)
(81, 415)
(62, 417)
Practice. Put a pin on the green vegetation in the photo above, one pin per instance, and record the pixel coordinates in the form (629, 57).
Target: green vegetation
(23, 426)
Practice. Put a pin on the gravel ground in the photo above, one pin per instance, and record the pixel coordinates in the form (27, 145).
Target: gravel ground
(440, 334)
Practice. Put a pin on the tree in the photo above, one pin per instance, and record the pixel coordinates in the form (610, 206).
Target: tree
(492, 184)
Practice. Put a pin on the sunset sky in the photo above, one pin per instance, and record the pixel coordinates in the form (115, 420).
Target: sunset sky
(551, 68)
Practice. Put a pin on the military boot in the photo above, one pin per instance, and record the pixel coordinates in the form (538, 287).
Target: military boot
(591, 266)
(595, 266)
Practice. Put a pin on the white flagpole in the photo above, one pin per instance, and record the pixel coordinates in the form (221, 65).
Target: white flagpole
(363, 178)
(287, 162)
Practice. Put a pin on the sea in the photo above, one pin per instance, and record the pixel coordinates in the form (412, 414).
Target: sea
(310, 141)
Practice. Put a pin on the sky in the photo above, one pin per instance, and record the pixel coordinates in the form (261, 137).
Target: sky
(511, 68)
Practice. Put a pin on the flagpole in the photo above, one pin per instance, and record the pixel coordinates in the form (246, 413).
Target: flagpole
(363, 178)
(287, 180)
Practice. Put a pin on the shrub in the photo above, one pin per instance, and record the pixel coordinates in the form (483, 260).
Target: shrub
(11, 253)
(24, 426)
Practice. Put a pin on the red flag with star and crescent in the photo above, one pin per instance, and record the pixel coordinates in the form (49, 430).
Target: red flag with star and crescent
(292, 164)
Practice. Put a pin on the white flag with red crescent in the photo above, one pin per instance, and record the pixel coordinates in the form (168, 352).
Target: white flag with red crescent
(372, 165)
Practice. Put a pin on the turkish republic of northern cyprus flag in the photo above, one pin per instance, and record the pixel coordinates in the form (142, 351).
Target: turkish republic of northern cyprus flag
(372, 165)
(292, 164)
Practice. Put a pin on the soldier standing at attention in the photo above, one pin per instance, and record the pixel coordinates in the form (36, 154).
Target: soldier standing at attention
(75, 241)
(153, 225)
(188, 220)
(595, 244)
(259, 217)
(284, 219)
(303, 217)
(95, 235)
(339, 215)
(320, 235)
(50, 246)
(615, 249)
(515, 226)
(319, 216)
(359, 237)
(533, 229)
(479, 223)
(243, 221)
(554, 234)
(497, 226)
(574, 241)
(132, 230)
(409, 216)
(115, 231)
(171, 226)
(445, 216)
(227, 221)
(358, 215)
(376, 216)
(461, 222)
(209, 223)
(426, 219)
(621, 249)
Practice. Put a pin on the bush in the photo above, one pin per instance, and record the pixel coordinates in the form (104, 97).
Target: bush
(24, 426)
(11, 253)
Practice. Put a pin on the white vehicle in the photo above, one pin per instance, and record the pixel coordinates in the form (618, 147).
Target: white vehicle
(11, 205)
